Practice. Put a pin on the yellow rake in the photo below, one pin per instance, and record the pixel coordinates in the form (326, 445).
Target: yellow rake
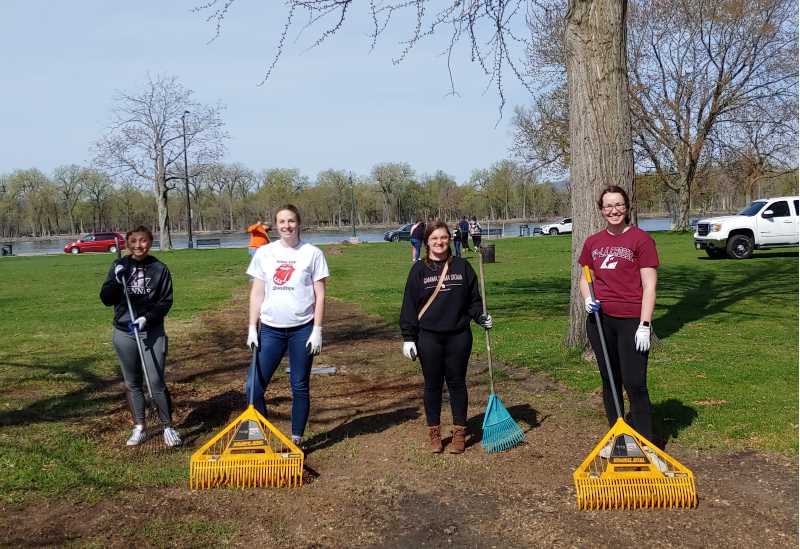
(631, 478)
(637, 474)
(249, 453)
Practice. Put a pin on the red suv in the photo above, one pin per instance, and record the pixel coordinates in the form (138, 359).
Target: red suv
(96, 242)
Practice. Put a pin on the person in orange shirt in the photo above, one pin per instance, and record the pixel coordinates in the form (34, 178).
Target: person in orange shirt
(259, 236)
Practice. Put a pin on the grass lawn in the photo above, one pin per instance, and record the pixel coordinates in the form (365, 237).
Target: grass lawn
(724, 375)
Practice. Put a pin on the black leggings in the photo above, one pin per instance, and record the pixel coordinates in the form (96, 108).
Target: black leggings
(629, 367)
(444, 357)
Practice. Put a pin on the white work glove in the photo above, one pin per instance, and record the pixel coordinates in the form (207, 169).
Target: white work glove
(643, 338)
(138, 324)
(590, 305)
(410, 350)
(314, 343)
(485, 321)
(252, 337)
(119, 274)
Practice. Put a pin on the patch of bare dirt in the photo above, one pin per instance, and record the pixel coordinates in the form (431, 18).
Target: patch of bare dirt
(370, 481)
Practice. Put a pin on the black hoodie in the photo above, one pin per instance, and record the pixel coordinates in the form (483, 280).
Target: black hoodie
(458, 301)
(149, 287)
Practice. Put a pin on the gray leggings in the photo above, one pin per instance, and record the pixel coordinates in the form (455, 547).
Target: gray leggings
(154, 345)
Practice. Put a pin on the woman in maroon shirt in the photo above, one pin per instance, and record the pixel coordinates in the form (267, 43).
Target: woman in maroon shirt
(623, 261)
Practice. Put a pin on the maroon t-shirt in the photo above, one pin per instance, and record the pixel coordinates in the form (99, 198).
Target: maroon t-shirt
(615, 261)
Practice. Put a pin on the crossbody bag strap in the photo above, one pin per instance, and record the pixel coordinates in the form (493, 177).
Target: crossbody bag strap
(435, 292)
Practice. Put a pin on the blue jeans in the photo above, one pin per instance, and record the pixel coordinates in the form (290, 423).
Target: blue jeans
(457, 243)
(273, 344)
(417, 243)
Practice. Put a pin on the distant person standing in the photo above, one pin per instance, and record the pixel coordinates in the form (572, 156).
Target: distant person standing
(417, 234)
(475, 232)
(463, 231)
(457, 240)
(259, 236)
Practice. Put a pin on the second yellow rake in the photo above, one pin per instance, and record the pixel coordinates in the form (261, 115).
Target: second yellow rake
(636, 474)
(249, 452)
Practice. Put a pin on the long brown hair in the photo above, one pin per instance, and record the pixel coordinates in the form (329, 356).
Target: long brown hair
(429, 230)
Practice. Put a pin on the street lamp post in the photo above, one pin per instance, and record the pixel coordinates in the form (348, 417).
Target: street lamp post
(186, 180)
(353, 205)
(354, 238)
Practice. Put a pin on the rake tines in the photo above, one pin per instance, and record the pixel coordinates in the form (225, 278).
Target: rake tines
(500, 431)
(602, 494)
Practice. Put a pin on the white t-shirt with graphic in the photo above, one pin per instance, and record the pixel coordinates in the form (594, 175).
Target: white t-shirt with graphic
(289, 275)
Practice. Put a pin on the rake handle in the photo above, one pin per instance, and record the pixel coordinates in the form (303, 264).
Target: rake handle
(485, 331)
(253, 374)
(132, 315)
(588, 276)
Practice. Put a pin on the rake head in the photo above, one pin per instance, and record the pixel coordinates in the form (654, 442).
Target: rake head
(250, 452)
(636, 475)
(500, 431)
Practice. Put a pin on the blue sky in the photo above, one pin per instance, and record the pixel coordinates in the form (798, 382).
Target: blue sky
(336, 106)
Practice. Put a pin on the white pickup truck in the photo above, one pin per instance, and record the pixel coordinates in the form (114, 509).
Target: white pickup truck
(766, 223)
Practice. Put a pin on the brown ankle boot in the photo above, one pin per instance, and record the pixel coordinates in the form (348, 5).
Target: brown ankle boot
(459, 439)
(436, 439)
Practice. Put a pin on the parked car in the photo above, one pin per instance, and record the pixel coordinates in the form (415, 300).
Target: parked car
(401, 233)
(96, 242)
(562, 227)
(765, 223)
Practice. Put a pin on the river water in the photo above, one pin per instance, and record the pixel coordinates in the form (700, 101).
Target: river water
(240, 240)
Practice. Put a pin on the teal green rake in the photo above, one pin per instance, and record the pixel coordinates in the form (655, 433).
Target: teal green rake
(500, 431)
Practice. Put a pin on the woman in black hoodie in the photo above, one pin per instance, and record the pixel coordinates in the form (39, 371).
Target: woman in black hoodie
(440, 299)
(149, 284)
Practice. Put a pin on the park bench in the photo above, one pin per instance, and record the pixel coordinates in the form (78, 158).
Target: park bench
(7, 248)
(201, 242)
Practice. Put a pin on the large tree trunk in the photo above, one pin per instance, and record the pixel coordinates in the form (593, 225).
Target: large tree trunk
(680, 218)
(599, 125)
(161, 191)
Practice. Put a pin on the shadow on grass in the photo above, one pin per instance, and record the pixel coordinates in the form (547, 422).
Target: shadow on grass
(757, 255)
(97, 396)
(670, 417)
(713, 288)
(522, 413)
(363, 425)
(91, 399)
(210, 415)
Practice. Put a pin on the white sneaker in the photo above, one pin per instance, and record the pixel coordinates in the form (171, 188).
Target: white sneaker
(655, 460)
(137, 435)
(605, 451)
(171, 437)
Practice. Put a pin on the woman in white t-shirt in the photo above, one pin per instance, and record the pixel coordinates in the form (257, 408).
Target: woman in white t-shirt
(288, 298)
